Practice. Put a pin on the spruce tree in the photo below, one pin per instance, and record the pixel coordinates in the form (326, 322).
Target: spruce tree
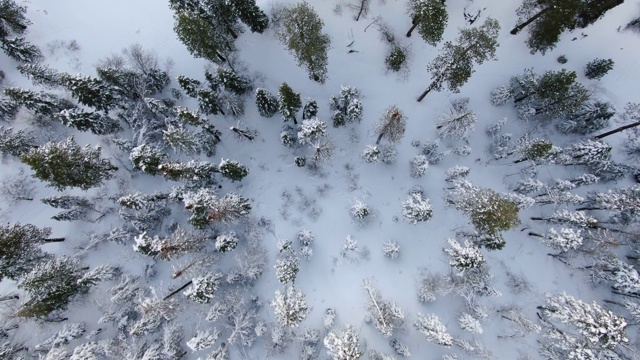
(593, 10)
(147, 158)
(454, 64)
(598, 68)
(288, 103)
(232, 82)
(41, 75)
(251, 15)
(430, 17)
(593, 116)
(203, 37)
(347, 107)
(92, 92)
(310, 109)
(15, 143)
(198, 174)
(266, 102)
(301, 32)
(232, 170)
(66, 164)
(21, 249)
(89, 121)
(40, 103)
(20, 50)
(12, 18)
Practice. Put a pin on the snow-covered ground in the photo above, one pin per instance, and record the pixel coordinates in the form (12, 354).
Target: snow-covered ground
(286, 198)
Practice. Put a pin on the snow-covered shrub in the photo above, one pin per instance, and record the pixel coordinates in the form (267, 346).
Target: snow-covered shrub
(388, 154)
(203, 340)
(306, 237)
(464, 257)
(419, 165)
(469, 323)
(371, 154)
(328, 318)
(416, 208)
(391, 249)
(359, 211)
(433, 329)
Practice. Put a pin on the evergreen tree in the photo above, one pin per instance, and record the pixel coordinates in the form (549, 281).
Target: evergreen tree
(593, 10)
(181, 139)
(66, 202)
(371, 154)
(387, 315)
(458, 122)
(89, 121)
(41, 75)
(418, 165)
(92, 92)
(66, 164)
(15, 143)
(250, 14)
(203, 37)
(288, 103)
(310, 109)
(52, 285)
(454, 64)
(301, 32)
(203, 288)
(190, 86)
(311, 131)
(20, 50)
(287, 269)
(344, 344)
(598, 68)
(21, 249)
(266, 102)
(40, 103)
(290, 307)
(417, 208)
(391, 125)
(593, 116)
(433, 329)
(232, 82)
(533, 150)
(396, 60)
(197, 174)
(464, 257)
(147, 158)
(430, 17)
(12, 18)
(232, 170)
(347, 107)
(226, 242)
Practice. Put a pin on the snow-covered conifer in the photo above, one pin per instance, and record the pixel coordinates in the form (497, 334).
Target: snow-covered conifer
(434, 330)
(574, 218)
(15, 143)
(391, 125)
(203, 288)
(41, 75)
(598, 68)
(197, 174)
(92, 92)
(310, 109)
(203, 339)
(388, 154)
(290, 306)
(359, 211)
(311, 130)
(306, 237)
(564, 240)
(288, 103)
(181, 139)
(501, 95)
(458, 122)
(21, 249)
(66, 164)
(226, 242)
(347, 107)
(147, 158)
(287, 269)
(391, 249)
(344, 344)
(387, 315)
(457, 172)
(419, 165)
(63, 336)
(371, 154)
(232, 169)
(533, 150)
(322, 151)
(593, 116)
(89, 121)
(20, 49)
(528, 186)
(266, 102)
(468, 323)
(464, 257)
(16, 188)
(417, 208)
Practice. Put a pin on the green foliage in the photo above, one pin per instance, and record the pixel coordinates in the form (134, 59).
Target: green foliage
(431, 17)
(20, 246)
(266, 102)
(232, 82)
(557, 16)
(20, 50)
(310, 109)
(15, 143)
(89, 121)
(250, 14)
(233, 170)
(51, 286)
(40, 103)
(12, 18)
(301, 32)
(536, 149)
(492, 213)
(190, 86)
(92, 92)
(202, 37)
(396, 59)
(562, 59)
(147, 158)
(66, 164)
(41, 75)
(598, 68)
(289, 102)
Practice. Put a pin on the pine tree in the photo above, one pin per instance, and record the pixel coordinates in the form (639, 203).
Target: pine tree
(12, 18)
(290, 307)
(41, 75)
(232, 170)
(203, 340)
(391, 125)
(464, 257)
(89, 121)
(21, 249)
(592, 11)
(575, 329)
(454, 64)
(593, 116)
(197, 174)
(430, 17)
(344, 344)
(310, 109)
(418, 165)
(566, 239)
(203, 288)
(417, 208)
(396, 60)
(92, 92)
(250, 14)
(287, 269)
(66, 164)
(181, 139)
(40, 103)
(288, 103)
(371, 154)
(20, 50)
(226, 242)
(51, 286)
(598, 68)
(311, 130)
(347, 107)
(232, 82)
(266, 102)
(433, 329)
(301, 32)
(533, 150)
(147, 158)
(66, 202)
(15, 143)
(458, 122)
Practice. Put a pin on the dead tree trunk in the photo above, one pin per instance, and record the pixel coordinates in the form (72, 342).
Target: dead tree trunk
(415, 23)
(52, 240)
(535, 17)
(615, 131)
(177, 290)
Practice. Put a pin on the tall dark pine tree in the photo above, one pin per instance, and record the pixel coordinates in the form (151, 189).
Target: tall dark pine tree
(21, 251)
(92, 92)
(598, 68)
(250, 14)
(301, 32)
(203, 37)
(66, 164)
(430, 17)
(548, 19)
(592, 11)
(40, 103)
(289, 103)
(454, 64)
